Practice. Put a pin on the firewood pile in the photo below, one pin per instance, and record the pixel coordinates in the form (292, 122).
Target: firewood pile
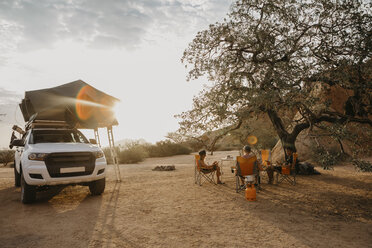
(164, 168)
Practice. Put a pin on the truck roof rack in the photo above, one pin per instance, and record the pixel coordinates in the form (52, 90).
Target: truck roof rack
(47, 124)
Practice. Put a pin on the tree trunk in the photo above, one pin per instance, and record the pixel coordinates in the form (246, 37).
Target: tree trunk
(288, 140)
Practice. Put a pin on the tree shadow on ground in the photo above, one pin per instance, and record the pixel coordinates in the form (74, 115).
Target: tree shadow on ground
(311, 202)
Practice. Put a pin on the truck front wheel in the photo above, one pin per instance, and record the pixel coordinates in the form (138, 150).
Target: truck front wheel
(17, 177)
(28, 192)
(97, 187)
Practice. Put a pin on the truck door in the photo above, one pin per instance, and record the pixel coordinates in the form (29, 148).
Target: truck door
(19, 151)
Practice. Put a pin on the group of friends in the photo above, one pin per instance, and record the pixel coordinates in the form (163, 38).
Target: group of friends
(247, 153)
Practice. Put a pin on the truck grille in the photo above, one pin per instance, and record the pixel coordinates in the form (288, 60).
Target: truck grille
(55, 161)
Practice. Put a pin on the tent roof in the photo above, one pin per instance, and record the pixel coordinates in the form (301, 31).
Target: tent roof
(77, 103)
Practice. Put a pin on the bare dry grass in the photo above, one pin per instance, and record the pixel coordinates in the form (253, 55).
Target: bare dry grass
(166, 209)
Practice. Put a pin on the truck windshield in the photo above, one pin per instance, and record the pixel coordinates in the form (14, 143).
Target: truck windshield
(57, 136)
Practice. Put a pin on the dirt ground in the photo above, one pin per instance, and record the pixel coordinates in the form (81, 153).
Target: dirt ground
(166, 209)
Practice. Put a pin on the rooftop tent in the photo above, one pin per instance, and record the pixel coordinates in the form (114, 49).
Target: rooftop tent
(77, 103)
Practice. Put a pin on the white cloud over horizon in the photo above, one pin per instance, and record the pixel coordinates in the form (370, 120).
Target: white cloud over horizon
(129, 49)
(103, 24)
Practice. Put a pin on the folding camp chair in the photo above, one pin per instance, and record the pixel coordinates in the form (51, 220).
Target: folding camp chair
(244, 169)
(265, 160)
(202, 175)
(288, 173)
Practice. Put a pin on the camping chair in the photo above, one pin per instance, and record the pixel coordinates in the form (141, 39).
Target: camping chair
(202, 175)
(288, 174)
(265, 159)
(244, 168)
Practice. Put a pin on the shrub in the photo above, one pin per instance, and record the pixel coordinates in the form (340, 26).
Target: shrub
(137, 151)
(107, 153)
(193, 145)
(327, 159)
(362, 165)
(133, 154)
(166, 148)
(127, 155)
(6, 156)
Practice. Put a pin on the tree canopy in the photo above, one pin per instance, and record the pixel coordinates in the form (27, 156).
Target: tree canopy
(267, 55)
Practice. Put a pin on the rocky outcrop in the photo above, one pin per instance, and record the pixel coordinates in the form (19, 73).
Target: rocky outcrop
(335, 98)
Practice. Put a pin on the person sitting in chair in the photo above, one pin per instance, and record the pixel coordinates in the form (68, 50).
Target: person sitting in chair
(289, 159)
(249, 154)
(287, 163)
(209, 168)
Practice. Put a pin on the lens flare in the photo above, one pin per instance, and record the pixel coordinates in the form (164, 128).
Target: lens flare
(84, 102)
(252, 140)
(91, 105)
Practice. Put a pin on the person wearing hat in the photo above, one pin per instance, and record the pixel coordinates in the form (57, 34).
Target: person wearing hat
(209, 168)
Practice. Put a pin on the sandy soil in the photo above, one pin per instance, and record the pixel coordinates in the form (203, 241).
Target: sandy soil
(166, 209)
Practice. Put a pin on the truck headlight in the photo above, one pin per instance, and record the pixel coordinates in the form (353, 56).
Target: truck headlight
(37, 156)
(99, 154)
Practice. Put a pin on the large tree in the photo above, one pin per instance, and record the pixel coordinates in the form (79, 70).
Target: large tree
(265, 57)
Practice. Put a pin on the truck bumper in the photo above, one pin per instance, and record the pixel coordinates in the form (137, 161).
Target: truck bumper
(37, 174)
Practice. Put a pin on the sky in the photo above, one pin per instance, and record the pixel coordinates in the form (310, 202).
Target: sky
(130, 49)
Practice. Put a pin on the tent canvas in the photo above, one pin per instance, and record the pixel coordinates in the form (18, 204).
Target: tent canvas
(77, 103)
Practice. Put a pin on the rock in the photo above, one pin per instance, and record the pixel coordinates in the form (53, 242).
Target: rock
(164, 168)
(306, 144)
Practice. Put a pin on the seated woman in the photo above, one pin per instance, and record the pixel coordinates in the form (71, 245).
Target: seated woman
(287, 163)
(209, 168)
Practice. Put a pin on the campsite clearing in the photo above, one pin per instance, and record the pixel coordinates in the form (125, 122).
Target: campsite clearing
(166, 209)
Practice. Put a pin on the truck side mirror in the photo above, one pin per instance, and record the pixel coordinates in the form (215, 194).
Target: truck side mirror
(17, 142)
(93, 141)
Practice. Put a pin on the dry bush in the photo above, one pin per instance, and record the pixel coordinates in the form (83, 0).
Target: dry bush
(6, 156)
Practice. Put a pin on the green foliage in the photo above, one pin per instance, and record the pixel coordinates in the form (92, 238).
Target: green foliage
(362, 165)
(265, 58)
(6, 156)
(133, 154)
(107, 153)
(166, 148)
(327, 159)
(135, 151)
(193, 145)
(261, 128)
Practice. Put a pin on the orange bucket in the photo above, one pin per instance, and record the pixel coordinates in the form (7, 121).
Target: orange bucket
(250, 192)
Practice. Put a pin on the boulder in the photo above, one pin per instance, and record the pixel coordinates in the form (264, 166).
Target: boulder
(306, 143)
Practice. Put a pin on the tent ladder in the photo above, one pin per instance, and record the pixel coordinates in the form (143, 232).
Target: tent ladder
(113, 153)
(96, 135)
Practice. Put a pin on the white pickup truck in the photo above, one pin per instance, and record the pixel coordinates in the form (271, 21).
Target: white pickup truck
(57, 156)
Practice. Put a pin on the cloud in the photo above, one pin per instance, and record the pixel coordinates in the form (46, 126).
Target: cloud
(102, 24)
(9, 110)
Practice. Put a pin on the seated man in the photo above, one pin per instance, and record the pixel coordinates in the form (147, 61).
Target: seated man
(209, 168)
(249, 154)
(287, 163)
